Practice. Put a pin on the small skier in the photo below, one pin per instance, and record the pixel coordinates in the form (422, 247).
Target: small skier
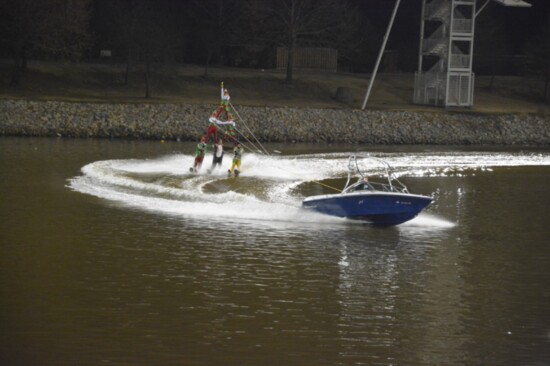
(199, 155)
(217, 157)
(237, 155)
(224, 104)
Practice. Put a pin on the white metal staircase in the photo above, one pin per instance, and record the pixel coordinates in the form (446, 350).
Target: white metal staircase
(449, 82)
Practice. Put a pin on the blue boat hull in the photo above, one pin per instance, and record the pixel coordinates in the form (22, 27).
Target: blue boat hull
(378, 208)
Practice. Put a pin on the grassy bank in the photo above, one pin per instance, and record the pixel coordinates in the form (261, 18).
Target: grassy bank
(186, 84)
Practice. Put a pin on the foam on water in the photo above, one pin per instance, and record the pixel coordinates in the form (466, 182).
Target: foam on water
(427, 220)
(165, 185)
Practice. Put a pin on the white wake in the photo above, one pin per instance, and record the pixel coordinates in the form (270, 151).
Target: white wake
(268, 188)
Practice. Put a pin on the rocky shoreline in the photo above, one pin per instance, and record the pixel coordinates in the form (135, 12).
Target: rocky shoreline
(271, 124)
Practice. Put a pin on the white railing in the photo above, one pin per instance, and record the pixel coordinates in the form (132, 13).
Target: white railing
(437, 9)
(438, 67)
(436, 42)
(465, 26)
(429, 88)
(460, 61)
(461, 90)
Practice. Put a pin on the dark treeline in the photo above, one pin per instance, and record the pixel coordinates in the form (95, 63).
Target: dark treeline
(240, 33)
(246, 33)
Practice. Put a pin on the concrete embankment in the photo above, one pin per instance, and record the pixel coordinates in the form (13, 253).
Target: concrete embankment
(273, 124)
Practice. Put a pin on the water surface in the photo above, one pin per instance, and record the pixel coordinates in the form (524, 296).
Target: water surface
(112, 253)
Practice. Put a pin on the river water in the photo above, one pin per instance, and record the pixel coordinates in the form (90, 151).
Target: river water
(112, 253)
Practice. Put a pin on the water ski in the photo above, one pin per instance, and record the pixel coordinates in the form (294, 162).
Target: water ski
(235, 172)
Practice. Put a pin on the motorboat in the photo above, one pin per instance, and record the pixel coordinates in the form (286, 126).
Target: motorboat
(377, 203)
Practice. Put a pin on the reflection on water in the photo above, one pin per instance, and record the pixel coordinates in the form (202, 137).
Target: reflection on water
(119, 256)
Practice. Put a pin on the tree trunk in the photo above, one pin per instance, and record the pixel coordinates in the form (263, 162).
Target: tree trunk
(493, 73)
(494, 59)
(207, 63)
(290, 61)
(23, 59)
(546, 82)
(217, 43)
(147, 75)
(15, 76)
(127, 71)
(17, 69)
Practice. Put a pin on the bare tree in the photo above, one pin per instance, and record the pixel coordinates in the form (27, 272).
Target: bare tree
(146, 30)
(216, 21)
(58, 28)
(490, 44)
(63, 31)
(538, 52)
(292, 23)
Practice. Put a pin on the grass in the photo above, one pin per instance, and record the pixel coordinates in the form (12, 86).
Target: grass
(103, 82)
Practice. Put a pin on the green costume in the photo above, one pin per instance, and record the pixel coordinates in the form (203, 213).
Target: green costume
(201, 150)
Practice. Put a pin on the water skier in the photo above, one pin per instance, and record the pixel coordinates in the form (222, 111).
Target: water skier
(237, 155)
(199, 155)
(217, 157)
(224, 104)
(212, 130)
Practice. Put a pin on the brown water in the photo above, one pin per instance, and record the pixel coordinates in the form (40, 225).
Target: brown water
(137, 267)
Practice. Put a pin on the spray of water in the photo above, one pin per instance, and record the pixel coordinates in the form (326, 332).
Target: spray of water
(266, 189)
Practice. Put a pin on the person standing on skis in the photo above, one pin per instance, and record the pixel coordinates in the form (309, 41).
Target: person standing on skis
(237, 155)
(199, 155)
(217, 157)
(224, 104)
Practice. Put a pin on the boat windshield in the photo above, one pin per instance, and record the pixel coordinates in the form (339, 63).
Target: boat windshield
(361, 187)
(363, 184)
(373, 186)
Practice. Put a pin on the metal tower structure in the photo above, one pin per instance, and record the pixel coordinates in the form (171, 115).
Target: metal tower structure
(444, 76)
